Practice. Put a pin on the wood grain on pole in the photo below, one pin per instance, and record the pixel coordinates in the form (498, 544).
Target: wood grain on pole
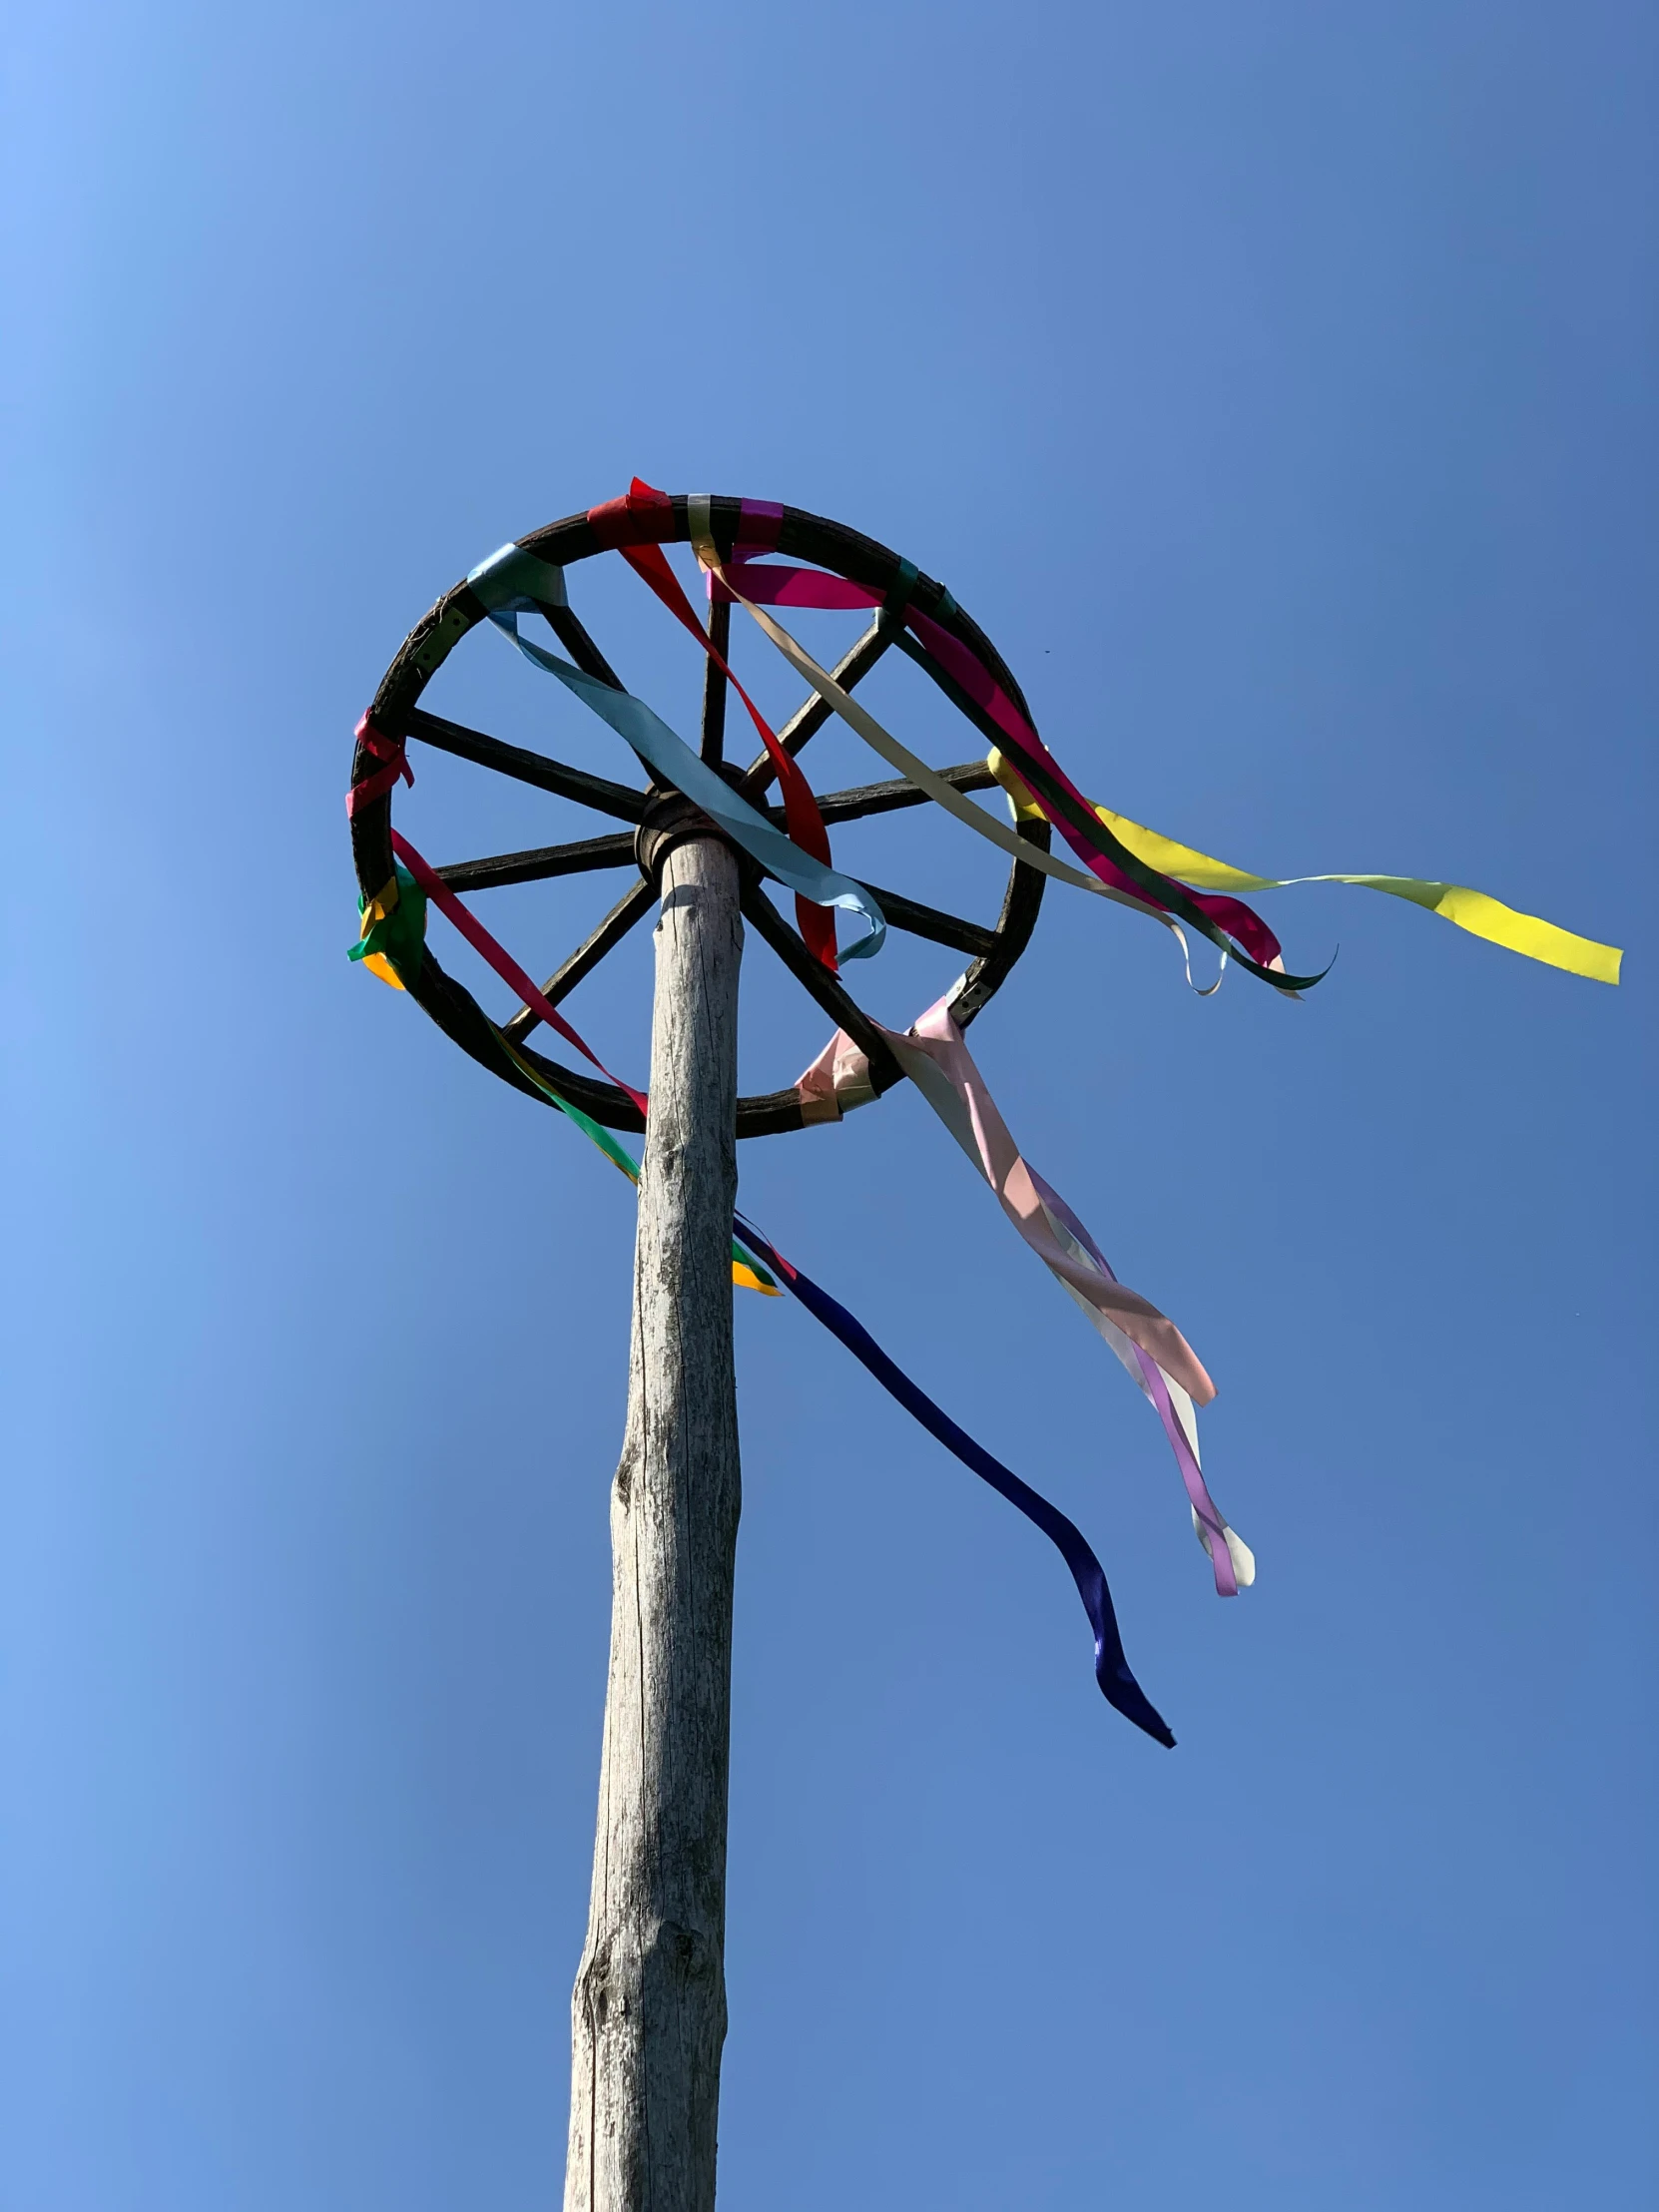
(649, 2007)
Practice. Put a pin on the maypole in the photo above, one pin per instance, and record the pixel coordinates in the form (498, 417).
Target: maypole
(648, 2016)
(703, 843)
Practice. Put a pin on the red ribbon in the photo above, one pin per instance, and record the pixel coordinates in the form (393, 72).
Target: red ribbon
(500, 958)
(637, 518)
(383, 749)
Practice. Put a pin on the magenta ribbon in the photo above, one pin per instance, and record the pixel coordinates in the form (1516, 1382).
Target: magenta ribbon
(389, 750)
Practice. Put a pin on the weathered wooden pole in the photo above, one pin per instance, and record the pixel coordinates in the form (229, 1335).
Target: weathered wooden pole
(648, 2014)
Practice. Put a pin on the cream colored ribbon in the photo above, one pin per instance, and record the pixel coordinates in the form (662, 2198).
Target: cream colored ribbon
(925, 778)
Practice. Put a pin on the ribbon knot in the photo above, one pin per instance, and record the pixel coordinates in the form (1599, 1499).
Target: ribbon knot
(383, 748)
(634, 519)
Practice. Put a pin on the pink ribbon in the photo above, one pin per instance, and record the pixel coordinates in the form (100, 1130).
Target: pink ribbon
(936, 1056)
(1213, 1530)
(385, 749)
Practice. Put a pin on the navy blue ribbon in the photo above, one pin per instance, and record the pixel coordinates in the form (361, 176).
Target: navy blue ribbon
(1111, 1668)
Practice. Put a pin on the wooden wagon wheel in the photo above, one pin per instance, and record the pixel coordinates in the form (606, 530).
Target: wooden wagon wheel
(660, 817)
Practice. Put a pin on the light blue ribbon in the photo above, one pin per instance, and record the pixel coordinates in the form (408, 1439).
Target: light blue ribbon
(516, 580)
(512, 582)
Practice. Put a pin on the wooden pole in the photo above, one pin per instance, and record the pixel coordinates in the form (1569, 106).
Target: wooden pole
(648, 2014)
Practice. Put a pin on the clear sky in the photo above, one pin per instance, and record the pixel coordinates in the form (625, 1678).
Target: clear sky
(1274, 384)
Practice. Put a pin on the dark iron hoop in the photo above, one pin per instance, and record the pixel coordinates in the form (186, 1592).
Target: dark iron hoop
(396, 714)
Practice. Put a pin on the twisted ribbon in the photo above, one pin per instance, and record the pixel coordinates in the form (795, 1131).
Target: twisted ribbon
(943, 793)
(1158, 1358)
(1232, 927)
(389, 750)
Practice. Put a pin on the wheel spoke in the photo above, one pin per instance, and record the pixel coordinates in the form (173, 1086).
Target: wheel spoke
(917, 921)
(545, 861)
(884, 798)
(633, 906)
(809, 717)
(597, 792)
(617, 851)
(566, 626)
(1022, 903)
(962, 701)
(884, 1070)
(713, 684)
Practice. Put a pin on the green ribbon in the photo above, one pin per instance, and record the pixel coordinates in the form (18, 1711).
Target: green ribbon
(617, 1154)
(399, 936)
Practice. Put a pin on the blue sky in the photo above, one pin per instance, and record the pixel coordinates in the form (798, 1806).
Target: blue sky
(1274, 384)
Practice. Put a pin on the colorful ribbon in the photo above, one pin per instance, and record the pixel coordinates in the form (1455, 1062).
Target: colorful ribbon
(392, 929)
(498, 583)
(1158, 1358)
(1225, 921)
(1483, 916)
(1111, 1666)
(944, 794)
(1176, 1413)
(1125, 862)
(1230, 926)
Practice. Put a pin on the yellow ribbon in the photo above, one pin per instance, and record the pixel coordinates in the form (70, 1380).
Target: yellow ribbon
(379, 907)
(1533, 938)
